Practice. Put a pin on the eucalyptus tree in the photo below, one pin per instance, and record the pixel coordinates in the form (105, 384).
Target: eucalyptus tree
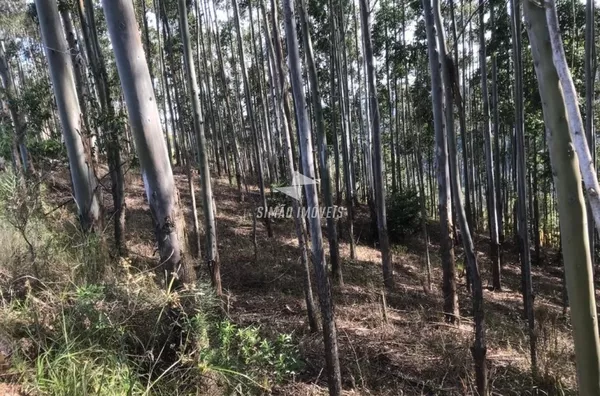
(19, 150)
(341, 67)
(111, 129)
(489, 156)
(251, 115)
(210, 229)
(76, 61)
(442, 170)
(451, 308)
(378, 163)
(542, 28)
(521, 179)
(312, 200)
(159, 183)
(590, 77)
(478, 349)
(323, 156)
(85, 184)
(239, 170)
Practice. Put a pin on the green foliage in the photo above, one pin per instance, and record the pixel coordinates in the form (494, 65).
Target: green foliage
(35, 101)
(86, 325)
(244, 353)
(50, 149)
(403, 214)
(73, 369)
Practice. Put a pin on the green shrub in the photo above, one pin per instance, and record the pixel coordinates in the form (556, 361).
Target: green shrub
(243, 353)
(87, 325)
(403, 214)
(50, 149)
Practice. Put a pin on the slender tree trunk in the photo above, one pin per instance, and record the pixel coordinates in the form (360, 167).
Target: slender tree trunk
(318, 254)
(323, 156)
(210, 229)
(161, 191)
(85, 184)
(489, 157)
(590, 78)
(571, 207)
(20, 161)
(166, 92)
(479, 346)
(250, 110)
(459, 100)
(448, 267)
(301, 235)
(443, 172)
(523, 234)
(239, 170)
(96, 59)
(378, 165)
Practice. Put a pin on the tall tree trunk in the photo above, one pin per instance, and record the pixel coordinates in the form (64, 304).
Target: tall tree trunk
(250, 110)
(378, 165)
(459, 100)
(523, 234)
(323, 156)
(85, 184)
(161, 191)
(489, 157)
(478, 349)
(239, 170)
(571, 207)
(210, 229)
(590, 78)
(318, 254)
(443, 171)
(166, 92)
(346, 129)
(20, 161)
(448, 76)
(96, 59)
(78, 71)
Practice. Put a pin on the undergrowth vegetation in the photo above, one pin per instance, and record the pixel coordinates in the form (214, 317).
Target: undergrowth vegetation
(403, 214)
(75, 321)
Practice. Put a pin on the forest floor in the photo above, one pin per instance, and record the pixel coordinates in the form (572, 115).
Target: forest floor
(412, 352)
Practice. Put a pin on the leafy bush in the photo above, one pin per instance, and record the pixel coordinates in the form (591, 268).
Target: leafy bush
(245, 354)
(403, 214)
(50, 149)
(117, 332)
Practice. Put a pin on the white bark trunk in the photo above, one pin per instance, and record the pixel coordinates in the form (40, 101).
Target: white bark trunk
(576, 128)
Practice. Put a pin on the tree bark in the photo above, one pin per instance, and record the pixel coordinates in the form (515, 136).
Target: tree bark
(85, 184)
(522, 199)
(323, 156)
(378, 165)
(451, 308)
(159, 183)
(250, 110)
(210, 229)
(318, 254)
(557, 110)
(489, 158)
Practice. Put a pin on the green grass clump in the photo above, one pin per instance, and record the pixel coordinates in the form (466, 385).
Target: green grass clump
(82, 323)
